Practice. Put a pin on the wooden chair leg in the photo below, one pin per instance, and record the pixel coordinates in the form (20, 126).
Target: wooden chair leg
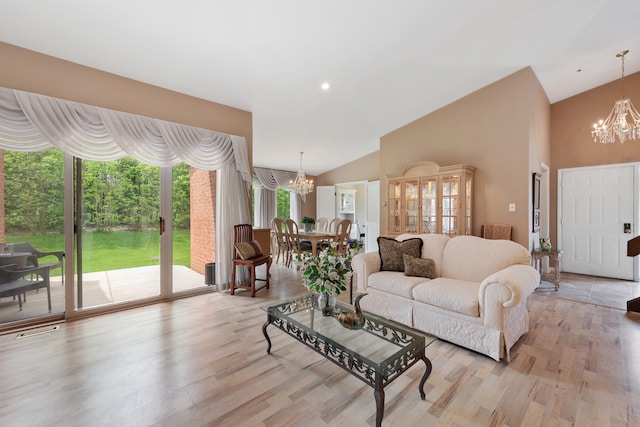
(253, 281)
(233, 279)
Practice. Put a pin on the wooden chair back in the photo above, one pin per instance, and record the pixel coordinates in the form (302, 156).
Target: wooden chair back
(343, 230)
(321, 224)
(241, 233)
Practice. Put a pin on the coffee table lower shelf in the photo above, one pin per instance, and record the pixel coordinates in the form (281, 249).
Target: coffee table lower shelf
(377, 375)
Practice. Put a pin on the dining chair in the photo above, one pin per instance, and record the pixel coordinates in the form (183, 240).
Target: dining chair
(248, 255)
(343, 230)
(331, 228)
(341, 235)
(322, 224)
(296, 245)
(280, 243)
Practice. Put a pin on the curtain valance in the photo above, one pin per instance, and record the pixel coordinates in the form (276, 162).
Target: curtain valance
(272, 179)
(32, 122)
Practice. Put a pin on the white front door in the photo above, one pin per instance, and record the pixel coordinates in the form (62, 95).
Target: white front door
(595, 205)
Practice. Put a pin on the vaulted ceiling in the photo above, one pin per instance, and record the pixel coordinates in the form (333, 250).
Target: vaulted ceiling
(387, 62)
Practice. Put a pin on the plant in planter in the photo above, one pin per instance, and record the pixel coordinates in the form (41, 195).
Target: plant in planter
(308, 223)
(328, 274)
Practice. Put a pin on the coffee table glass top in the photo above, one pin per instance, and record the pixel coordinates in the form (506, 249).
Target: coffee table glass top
(382, 344)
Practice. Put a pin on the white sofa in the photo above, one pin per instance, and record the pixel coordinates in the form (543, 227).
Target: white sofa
(477, 300)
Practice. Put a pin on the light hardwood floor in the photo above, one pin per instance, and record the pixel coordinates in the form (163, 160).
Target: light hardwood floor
(202, 361)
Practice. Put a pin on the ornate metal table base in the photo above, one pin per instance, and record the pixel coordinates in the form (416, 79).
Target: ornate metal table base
(411, 349)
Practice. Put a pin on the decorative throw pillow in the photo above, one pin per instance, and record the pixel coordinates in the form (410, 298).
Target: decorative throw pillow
(392, 251)
(420, 267)
(248, 250)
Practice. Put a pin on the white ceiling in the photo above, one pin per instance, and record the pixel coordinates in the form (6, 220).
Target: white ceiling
(388, 62)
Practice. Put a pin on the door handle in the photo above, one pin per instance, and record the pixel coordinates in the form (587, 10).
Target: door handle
(161, 226)
(627, 227)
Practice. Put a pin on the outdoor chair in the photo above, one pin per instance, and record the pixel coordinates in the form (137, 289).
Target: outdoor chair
(36, 255)
(246, 254)
(14, 283)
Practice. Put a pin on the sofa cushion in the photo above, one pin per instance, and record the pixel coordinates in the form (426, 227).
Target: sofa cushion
(432, 247)
(419, 267)
(394, 283)
(474, 258)
(460, 296)
(391, 252)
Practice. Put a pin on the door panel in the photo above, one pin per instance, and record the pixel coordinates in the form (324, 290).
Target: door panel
(595, 204)
(326, 202)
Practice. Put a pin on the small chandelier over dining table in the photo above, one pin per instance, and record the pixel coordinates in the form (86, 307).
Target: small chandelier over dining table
(617, 124)
(301, 185)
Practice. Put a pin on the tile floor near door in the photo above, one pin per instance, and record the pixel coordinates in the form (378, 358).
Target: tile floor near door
(596, 290)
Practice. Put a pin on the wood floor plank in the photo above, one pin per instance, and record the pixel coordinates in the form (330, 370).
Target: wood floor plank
(202, 361)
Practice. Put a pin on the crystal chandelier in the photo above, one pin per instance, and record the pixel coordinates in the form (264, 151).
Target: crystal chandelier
(301, 185)
(616, 124)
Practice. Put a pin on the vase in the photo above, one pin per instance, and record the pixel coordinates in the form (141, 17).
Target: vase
(545, 244)
(308, 227)
(352, 319)
(327, 303)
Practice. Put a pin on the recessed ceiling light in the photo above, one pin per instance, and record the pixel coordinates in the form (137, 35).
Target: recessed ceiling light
(325, 86)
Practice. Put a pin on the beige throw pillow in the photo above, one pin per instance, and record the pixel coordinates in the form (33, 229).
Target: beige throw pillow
(419, 267)
(248, 250)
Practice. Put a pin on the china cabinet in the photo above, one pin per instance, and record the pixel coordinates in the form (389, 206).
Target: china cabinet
(347, 201)
(428, 198)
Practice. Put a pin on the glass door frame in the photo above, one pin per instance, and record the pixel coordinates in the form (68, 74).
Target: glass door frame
(166, 249)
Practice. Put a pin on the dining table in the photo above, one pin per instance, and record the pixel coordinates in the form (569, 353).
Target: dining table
(314, 237)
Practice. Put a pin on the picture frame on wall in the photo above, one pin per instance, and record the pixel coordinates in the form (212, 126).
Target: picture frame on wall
(536, 202)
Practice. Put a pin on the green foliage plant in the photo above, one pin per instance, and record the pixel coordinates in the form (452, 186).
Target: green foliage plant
(308, 220)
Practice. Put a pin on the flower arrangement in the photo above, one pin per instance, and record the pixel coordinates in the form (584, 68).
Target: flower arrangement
(329, 272)
(354, 246)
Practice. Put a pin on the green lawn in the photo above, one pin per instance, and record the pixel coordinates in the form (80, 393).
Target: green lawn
(114, 250)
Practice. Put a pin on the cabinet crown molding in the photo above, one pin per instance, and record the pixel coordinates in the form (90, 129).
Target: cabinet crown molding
(427, 167)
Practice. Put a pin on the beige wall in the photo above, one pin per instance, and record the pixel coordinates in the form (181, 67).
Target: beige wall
(502, 130)
(33, 72)
(571, 143)
(366, 168)
(493, 129)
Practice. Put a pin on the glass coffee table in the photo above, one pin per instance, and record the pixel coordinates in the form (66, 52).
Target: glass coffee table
(376, 354)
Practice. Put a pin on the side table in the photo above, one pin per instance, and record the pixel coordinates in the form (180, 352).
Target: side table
(555, 258)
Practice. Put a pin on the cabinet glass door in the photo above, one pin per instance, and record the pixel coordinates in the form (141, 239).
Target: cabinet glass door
(412, 211)
(450, 205)
(393, 205)
(428, 205)
(468, 183)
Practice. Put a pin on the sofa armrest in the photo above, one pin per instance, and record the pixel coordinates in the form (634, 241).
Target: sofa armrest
(504, 289)
(363, 265)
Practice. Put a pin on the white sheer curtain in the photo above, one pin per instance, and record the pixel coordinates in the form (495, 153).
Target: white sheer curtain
(295, 207)
(32, 122)
(264, 206)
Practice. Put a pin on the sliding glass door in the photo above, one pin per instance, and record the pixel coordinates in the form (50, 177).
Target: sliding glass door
(32, 226)
(117, 238)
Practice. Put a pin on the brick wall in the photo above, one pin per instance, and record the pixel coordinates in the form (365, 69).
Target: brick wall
(203, 218)
(1, 195)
